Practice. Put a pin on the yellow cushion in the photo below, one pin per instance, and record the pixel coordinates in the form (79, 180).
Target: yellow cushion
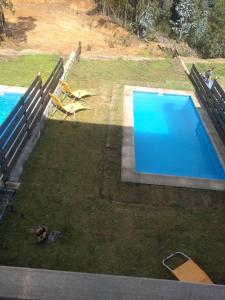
(191, 272)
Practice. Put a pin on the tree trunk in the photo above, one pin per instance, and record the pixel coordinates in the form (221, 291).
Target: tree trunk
(134, 14)
(2, 21)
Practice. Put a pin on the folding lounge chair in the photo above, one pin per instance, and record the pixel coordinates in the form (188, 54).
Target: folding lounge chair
(188, 271)
(74, 95)
(68, 109)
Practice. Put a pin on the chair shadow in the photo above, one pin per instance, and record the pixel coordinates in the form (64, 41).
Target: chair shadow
(18, 30)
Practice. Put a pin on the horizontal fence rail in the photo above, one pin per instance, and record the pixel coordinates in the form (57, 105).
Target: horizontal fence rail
(18, 127)
(213, 99)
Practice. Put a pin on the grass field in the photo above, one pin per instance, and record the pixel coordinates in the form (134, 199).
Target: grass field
(20, 71)
(72, 183)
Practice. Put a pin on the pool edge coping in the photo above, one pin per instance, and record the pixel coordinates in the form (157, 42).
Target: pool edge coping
(128, 173)
(12, 89)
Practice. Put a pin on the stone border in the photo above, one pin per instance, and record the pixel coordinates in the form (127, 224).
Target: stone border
(128, 173)
(123, 57)
(12, 89)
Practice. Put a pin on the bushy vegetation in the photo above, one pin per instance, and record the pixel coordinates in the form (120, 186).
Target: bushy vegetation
(198, 22)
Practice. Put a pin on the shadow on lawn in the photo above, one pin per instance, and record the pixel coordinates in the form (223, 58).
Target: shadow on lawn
(98, 147)
(72, 183)
(18, 30)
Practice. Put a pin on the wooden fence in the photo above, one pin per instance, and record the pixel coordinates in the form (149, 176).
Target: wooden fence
(213, 100)
(19, 125)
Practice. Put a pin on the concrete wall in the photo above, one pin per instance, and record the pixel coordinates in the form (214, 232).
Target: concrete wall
(24, 283)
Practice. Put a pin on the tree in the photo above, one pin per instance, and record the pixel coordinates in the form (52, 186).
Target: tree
(199, 22)
(138, 15)
(8, 5)
(181, 24)
(147, 13)
(213, 42)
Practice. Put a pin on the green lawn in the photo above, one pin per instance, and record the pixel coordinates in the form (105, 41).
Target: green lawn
(22, 70)
(72, 182)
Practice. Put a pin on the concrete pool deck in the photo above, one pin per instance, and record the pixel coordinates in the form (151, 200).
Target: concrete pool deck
(128, 172)
(12, 89)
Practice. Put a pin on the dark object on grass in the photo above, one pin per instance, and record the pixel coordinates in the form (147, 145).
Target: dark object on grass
(41, 233)
(53, 236)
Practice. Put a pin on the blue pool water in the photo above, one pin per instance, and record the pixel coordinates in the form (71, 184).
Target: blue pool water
(7, 102)
(170, 138)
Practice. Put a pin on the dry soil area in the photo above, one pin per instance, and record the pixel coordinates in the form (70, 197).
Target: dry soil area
(58, 26)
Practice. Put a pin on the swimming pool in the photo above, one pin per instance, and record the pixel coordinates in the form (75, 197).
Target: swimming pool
(165, 140)
(8, 101)
(170, 138)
